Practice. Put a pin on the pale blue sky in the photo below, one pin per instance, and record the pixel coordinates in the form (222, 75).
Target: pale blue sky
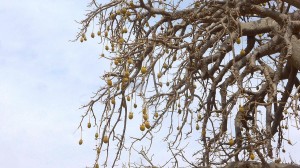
(44, 80)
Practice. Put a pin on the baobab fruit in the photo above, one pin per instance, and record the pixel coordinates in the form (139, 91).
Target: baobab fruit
(98, 151)
(156, 114)
(277, 160)
(243, 52)
(252, 156)
(144, 110)
(238, 40)
(106, 33)
(131, 4)
(130, 116)
(130, 61)
(197, 127)
(145, 117)
(109, 82)
(113, 101)
(135, 105)
(89, 125)
(106, 47)
(92, 35)
(96, 165)
(121, 40)
(124, 30)
(112, 16)
(80, 142)
(174, 58)
(165, 66)
(98, 33)
(168, 83)
(143, 70)
(160, 84)
(96, 135)
(123, 11)
(126, 73)
(142, 127)
(125, 80)
(147, 124)
(105, 139)
(231, 142)
(241, 109)
(128, 98)
(179, 111)
(116, 62)
(159, 74)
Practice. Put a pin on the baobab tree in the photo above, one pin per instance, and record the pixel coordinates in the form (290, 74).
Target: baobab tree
(222, 73)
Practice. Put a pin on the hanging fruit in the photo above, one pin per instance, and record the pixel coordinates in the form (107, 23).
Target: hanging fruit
(143, 70)
(243, 52)
(238, 40)
(156, 114)
(80, 142)
(252, 156)
(147, 124)
(130, 116)
(105, 139)
(109, 82)
(197, 127)
(241, 109)
(231, 142)
(142, 127)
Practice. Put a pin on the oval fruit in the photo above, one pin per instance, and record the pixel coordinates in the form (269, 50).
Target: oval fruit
(252, 156)
(238, 40)
(105, 139)
(159, 74)
(147, 124)
(243, 52)
(130, 116)
(109, 82)
(231, 142)
(197, 127)
(241, 109)
(143, 70)
(142, 127)
(145, 116)
(113, 101)
(80, 142)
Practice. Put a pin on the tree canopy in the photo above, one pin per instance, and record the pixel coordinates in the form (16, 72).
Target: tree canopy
(220, 73)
